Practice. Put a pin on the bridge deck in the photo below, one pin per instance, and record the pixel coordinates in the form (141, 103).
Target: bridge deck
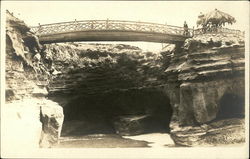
(110, 30)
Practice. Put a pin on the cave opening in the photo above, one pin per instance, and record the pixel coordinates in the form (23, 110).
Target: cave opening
(129, 112)
(110, 90)
(231, 106)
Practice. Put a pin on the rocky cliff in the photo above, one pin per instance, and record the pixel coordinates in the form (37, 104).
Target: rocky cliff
(100, 87)
(106, 83)
(27, 110)
(208, 75)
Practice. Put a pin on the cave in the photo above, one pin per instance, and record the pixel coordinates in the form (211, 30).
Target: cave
(124, 112)
(231, 106)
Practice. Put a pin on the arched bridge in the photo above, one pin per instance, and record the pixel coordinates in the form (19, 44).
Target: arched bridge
(110, 30)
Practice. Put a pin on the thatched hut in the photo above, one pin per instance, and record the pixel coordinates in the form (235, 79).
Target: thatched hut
(215, 18)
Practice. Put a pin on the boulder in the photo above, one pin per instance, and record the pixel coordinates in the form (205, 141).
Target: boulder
(131, 125)
(20, 125)
(52, 117)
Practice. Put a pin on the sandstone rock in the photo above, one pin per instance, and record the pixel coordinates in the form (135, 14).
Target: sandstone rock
(39, 92)
(204, 75)
(101, 68)
(217, 133)
(200, 102)
(33, 126)
(22, 72)
(20, 125)
(31, 41)
(52, 120)
(131, 125)
(207, 81)
(13, 22)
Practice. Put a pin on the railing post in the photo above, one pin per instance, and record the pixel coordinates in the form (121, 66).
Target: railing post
(123, 26)
(137, 27)
(107, 24)
(193, 32)
(166, 27)
(39, 28)
(92, 25)
(75, 25)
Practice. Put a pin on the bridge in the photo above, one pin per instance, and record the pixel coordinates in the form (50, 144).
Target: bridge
(110, 30)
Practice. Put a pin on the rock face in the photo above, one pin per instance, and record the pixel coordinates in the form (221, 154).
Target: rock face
(206, 83)
(51, 115)
(130, 125)
(139, 124)
(20, 125)
(26, 81)
(100, 66)
(100, 83)
(218, 133)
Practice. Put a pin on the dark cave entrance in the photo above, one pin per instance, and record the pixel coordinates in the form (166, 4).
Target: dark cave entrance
(231, 106)
(129, 112)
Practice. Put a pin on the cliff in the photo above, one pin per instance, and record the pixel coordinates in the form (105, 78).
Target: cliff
(106, 83)
(27, 111)
(208, 76)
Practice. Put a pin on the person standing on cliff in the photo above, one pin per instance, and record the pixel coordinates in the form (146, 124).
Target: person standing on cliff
(185, 28)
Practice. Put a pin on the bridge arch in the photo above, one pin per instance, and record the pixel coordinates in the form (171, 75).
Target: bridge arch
(110, 30)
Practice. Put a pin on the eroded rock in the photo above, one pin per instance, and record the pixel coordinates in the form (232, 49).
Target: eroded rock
(131, 125)
(26, 81)
(25, 124)
(218, 133)
(52, 119)
(208, 72)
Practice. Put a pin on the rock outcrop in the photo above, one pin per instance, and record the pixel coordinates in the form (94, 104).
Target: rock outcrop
(101, 82)
(206, 83)
(92, 82)
(51, 116)
(26, 81)
(217, 133)
(100, 67)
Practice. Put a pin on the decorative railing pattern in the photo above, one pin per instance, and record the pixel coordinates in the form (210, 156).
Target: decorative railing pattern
(118, 25)
(218, 30)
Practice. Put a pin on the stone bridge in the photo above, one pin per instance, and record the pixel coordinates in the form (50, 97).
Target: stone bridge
(110, 30)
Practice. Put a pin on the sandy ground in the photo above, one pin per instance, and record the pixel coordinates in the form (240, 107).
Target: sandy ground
(156, 140)
(152, 140)
(99, 141)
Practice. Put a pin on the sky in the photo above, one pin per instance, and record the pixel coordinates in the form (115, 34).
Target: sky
(163, 12)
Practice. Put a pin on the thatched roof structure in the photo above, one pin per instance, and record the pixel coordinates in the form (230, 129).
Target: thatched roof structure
(216, 17)
(201, 19)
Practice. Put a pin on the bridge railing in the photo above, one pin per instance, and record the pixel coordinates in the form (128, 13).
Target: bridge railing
(237, 33)
(89, 25)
